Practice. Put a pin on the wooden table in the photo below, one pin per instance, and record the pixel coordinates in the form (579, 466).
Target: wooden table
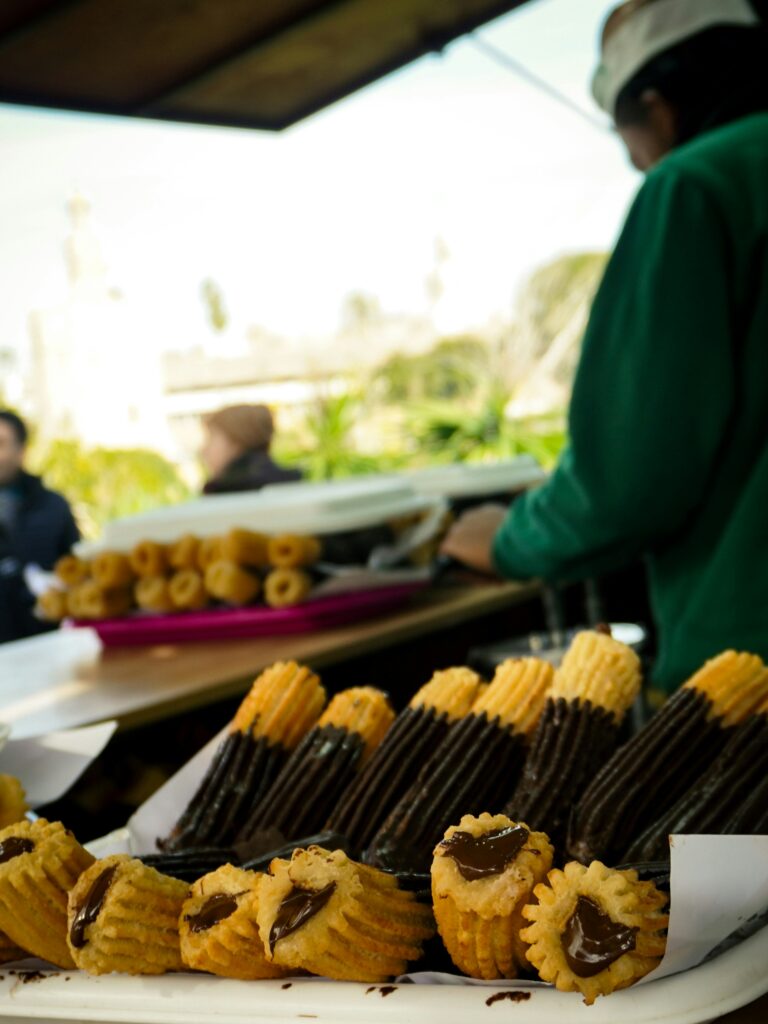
(138, 685)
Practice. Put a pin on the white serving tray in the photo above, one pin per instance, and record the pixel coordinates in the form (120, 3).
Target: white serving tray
(474, 479)
(732, 980)
(317, 508)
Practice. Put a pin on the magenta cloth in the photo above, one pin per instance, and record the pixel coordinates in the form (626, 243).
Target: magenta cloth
(239, 623)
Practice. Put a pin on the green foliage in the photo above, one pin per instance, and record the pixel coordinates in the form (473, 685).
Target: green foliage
(103, 484)
(214, 304)
(552, 292)
(327, 448)
(331, 423)
(449, 433)
(454, 368)
(430, 433)
(359, 311)
(445, 405)
(553, 304)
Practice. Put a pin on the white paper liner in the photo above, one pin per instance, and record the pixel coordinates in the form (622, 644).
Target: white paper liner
(49, 765)
(157, 816)
(717, 884)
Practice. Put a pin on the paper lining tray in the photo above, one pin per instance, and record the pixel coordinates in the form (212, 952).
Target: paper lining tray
(702, 994)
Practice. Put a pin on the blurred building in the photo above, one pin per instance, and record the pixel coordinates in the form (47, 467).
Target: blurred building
(289, 375)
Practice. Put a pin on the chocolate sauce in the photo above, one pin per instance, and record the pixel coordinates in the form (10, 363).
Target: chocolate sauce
(592, 941)
(89, 909)
(216, 908)
(14, 846)
(296, 909)
(513, 997)
(489, 854)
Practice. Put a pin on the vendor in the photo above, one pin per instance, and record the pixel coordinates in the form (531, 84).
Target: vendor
(235, 451)
(668, 453)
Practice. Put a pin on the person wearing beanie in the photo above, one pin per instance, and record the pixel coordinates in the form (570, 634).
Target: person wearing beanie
(668, 423)
(235, 451)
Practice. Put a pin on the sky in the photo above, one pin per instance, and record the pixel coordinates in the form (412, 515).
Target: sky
(453, 147)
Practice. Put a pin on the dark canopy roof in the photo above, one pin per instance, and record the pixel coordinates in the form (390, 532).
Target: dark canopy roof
(247, 63)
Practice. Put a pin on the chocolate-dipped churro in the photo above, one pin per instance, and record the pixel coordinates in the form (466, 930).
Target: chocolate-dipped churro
(322, 766)
(646, 776)
(282, 706)
(413, 738)
(470, 771)
(724, 800)
(579, 729)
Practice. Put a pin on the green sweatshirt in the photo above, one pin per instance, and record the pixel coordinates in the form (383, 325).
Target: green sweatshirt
(668, 453)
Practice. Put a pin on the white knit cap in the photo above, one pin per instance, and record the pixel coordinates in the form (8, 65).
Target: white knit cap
(652, 26)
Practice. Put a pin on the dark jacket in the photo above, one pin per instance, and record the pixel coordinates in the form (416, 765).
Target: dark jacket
(250, 472)
(42, 530)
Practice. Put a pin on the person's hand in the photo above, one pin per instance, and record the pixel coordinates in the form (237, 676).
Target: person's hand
(470, 539)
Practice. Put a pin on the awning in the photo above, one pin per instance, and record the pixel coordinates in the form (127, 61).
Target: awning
(245, 63)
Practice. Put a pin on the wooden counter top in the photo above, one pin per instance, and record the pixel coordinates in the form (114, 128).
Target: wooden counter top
(137, 685)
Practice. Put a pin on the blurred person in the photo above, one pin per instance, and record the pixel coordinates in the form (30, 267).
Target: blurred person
(36, 528)
(235, 451)
(668, 423)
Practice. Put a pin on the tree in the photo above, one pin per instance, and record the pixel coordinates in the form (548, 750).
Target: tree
(214, 304)
(447, 432)
(359, 312)
(455, 368)
(543, 349)
(104, 484)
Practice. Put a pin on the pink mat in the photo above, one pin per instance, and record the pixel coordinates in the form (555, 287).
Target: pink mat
(238, 623)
